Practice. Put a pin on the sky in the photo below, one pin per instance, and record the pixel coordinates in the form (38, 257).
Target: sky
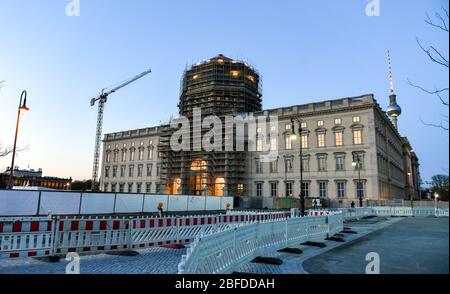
(306, 51)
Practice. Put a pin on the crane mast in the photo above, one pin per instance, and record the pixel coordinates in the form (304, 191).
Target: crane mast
(102, 98)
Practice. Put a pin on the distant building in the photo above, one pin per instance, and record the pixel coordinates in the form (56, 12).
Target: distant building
(33, 178)
(335, 133)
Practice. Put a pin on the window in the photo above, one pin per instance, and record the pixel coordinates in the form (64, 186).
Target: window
(288, 165)
(289, 189)
(106, 171)
(340, 163)
(113, 187)
(340, 187)
(150, 151)
(158, 168)
(149, 169)
(130, 171)
(132, 155)
(140, 169)
(259, 189)
(303, 125)
(108, 156)
(273, 128)
(258, 166)
(130, 187)
(259, 130)
(121, 188)
(122, 171)
(322, 163)
(305, 163)
(323, 187)
(141, 153)
(338, 121)
(274, 166)
(320, 123)
(105, 187)
(360, 191)
(356, 119)
(359, 157)
(339, 138)
(138, 187)
(259, 145)
(116, 155)
(158, 188)
(304, 141)
(240, 188)
(273, 144)
(305, 189)
(124, 155)
(274, 189)
(148, 188)
(288, 143)
(288, 127)
(357, 137)
(114, 171)
(321, 140)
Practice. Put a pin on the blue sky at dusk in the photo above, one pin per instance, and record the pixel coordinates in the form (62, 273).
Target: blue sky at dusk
(306, 51)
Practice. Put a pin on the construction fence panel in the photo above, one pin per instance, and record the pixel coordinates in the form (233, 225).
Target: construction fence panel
(97, 203)
(129, 203)
(16, 203)
(59, 203)
(32, 237)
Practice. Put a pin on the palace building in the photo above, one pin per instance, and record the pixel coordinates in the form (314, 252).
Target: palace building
(335, 134)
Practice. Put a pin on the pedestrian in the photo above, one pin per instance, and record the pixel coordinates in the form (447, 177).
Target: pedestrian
(353, 204)
(160, 209)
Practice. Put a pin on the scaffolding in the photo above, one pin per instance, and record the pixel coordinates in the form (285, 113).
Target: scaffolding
(219, 86)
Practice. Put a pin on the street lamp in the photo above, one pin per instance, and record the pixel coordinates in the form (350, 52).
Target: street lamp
(436, 197)
(293, 137)
(357, 164)
(22, 107)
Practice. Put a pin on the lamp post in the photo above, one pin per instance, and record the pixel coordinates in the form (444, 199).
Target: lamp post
(294, 137)
(436, 203)
(21, 107)
(357, 165)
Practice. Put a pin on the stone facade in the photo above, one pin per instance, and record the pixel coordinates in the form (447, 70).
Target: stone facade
(335, 133)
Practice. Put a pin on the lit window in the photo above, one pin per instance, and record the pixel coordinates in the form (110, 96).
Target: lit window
(338, 121)
(304, 125)
(320, 123)
(176, 186)
(141, 154)
(304, 141)
(240, 188)
(273, 129)
(273, 144)
(259, 145)
(357, 137)
(220, 186)
(288, 143)
(251, 78)
(356, 119)
(259, 130)
(338, 139)
(288, 126)
(234, 73)
(321, 140)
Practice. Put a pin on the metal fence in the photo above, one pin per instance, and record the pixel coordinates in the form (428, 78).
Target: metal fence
(37, 237)
(226, 251)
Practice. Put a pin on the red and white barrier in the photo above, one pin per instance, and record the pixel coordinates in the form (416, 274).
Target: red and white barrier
(25, 237)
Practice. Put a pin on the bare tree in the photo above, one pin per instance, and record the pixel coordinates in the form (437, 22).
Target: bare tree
(436, 56)
(5, 151)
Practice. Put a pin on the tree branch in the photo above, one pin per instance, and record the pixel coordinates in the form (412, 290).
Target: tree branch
(440, 125)
(439, 59)
(443, 26)
(436, 92)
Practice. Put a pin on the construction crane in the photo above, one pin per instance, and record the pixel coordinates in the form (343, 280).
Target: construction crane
(102, 98)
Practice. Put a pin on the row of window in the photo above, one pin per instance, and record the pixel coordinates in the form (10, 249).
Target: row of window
(322, 164)
(113, 155)
(116, 172)
(320, 141)
(341, 189)
(129, 187)
(321, 123)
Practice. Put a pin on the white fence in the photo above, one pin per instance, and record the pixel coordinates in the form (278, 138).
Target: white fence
(356, 213)
(43, 203)
(54, 236)
(226, 251)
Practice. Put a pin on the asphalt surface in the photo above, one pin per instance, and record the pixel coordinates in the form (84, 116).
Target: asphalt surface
(418, 245)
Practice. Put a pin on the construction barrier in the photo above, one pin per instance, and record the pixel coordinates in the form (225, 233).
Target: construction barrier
(226, 251)
(26, 237)
(21, 237)
(44, 203)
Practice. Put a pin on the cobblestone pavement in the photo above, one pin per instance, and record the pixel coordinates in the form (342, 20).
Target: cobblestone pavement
(149, 261)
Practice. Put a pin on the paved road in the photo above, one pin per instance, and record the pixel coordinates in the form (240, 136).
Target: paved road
(410, 246)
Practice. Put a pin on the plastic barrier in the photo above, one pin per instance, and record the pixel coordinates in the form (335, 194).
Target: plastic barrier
(26, 237)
